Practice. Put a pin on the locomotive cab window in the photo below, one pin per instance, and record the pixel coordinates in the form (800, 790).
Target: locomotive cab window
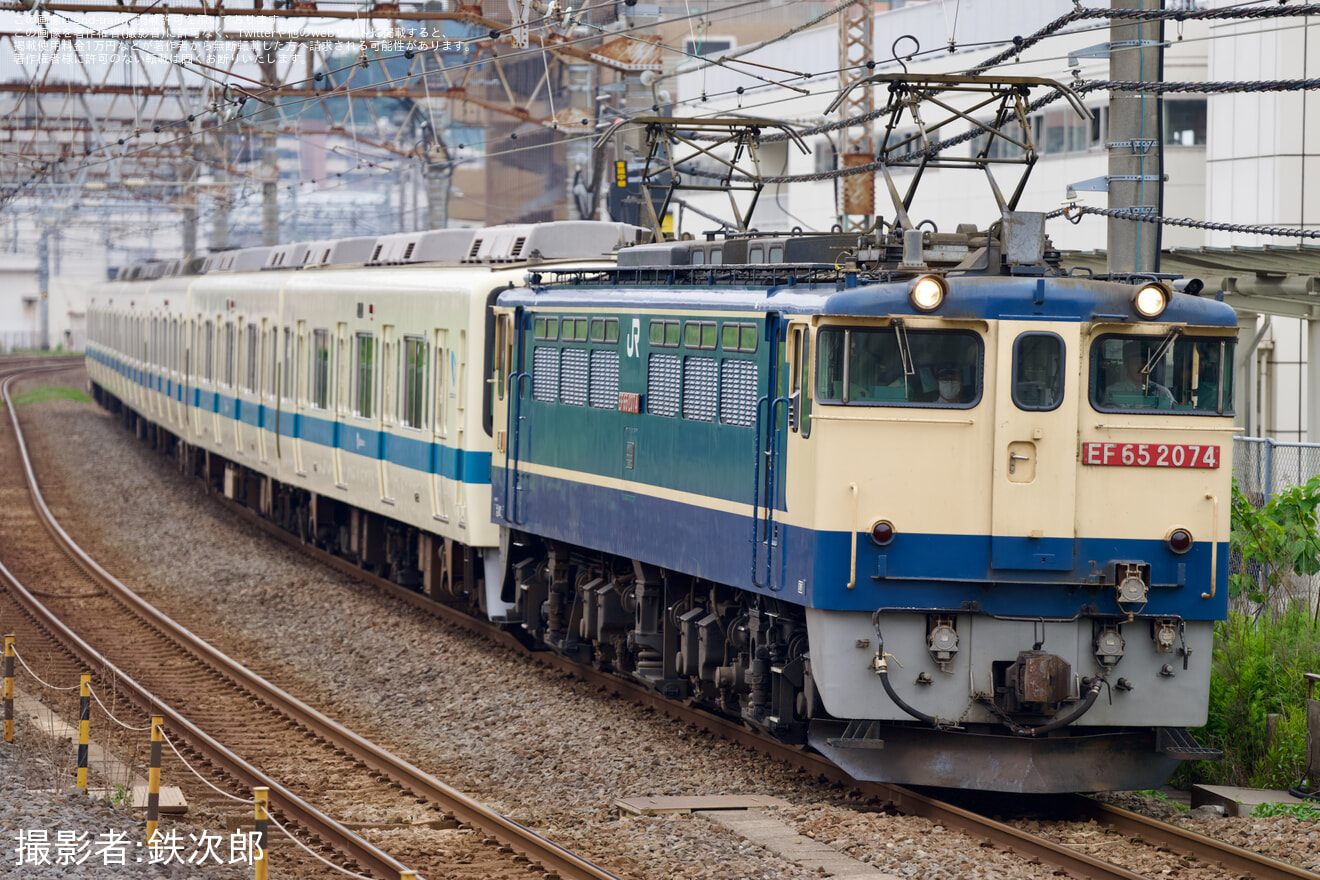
(894, 366)
(1038, 371)
(1174, 373)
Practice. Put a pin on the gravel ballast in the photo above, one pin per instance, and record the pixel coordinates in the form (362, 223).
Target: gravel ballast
(544, 748)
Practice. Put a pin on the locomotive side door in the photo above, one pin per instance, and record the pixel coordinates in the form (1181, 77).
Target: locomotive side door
(1037, 393)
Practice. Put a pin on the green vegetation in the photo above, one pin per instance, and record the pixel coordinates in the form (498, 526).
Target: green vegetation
(1162, 797)
(1275, 541)
(1270, 640)
(50, 392)
(1309, 812)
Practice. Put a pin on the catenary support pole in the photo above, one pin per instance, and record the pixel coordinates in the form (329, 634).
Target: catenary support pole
(153, 778)
(1133, 140)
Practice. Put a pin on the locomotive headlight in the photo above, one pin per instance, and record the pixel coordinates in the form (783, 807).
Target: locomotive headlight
(1150, 300)
(882, 533)
(927, 292)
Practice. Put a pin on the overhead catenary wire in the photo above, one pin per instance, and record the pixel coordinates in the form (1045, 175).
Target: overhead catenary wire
(1019, 45)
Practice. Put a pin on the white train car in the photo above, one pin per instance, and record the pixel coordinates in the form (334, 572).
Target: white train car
(329, 385)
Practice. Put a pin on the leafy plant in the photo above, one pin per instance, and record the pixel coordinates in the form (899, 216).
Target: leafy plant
(1275, 540)
(1307, 812)
(1160, 796)
(121, 797)
(1257, 671)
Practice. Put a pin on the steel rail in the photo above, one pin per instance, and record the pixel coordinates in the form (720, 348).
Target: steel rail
(904, 799)
(549, 855)
(1180, 840)
(327, 829)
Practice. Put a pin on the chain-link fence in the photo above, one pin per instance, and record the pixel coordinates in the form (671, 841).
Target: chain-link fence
(1263, 468)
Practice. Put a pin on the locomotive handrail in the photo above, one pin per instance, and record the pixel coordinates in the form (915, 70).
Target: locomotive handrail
(772, 457)
(1214, 542)
(865, 418)
(1161, 427)
(852, 530)
(513, 432)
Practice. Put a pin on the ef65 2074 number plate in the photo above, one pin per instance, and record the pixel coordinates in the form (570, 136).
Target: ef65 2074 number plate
(1169, 455)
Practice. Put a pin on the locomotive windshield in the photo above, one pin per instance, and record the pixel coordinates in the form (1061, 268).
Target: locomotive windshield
(1175, 373)
(894, 366)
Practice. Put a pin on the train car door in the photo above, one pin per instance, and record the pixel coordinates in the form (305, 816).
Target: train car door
(341, 409)
(444, 393)
(387, 411)
(1037, 394)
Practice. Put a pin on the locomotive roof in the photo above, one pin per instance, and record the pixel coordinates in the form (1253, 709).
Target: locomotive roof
(980, 297)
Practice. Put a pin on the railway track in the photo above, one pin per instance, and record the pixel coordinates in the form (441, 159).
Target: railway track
(1180, 847)
(243, 730)
(1130, 833)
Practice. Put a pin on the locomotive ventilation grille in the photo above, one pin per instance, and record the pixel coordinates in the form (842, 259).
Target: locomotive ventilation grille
(573, 377)
(738, 393)
(545, 374)
(699, 389)
(662, 383)
(605, 379)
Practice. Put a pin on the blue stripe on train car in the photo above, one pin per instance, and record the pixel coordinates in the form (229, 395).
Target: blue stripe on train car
(811, 567)
(413, 453)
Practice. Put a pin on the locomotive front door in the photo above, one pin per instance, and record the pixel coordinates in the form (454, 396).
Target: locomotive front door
(1037, 393)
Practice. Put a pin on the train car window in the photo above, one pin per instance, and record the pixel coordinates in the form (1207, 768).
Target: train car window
(414, 380)
(699, 335)
(287, 391)
(1038, 371)
(364, 358)
(231, 360)
(250, 374)
(210, 351)
(662, 384)
(573, 376)
(717, 256)
(664, 334)
(320, 369)
(272, 342)
(1174, 373)
(777, 254)
(738, 337)
(547, 329)
(603, 381)
(894, 366)
(579, 329)
(605, 330)
(698, 257)
(756, 255)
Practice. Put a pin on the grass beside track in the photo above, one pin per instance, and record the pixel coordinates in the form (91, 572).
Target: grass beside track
(49, 392)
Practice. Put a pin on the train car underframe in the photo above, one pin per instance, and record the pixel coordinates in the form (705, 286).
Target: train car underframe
(735, 653)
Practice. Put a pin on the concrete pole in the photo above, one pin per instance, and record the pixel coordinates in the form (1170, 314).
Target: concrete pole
(270, 185)
(1244, 374)
(220, 222)
(438, 176)
(1134, 122)
(190, 231)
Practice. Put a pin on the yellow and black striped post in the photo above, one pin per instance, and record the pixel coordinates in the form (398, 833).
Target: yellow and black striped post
(9, 688)
(262, 794)
(84, 726)
(153, 778)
